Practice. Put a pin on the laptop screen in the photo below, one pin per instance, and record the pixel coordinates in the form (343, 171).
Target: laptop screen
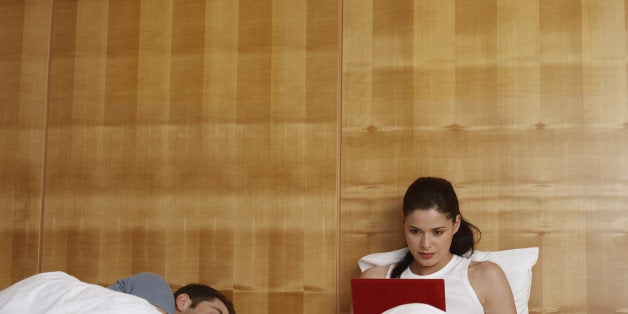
(374, 296)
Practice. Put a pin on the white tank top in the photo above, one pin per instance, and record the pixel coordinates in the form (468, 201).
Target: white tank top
(460, 298)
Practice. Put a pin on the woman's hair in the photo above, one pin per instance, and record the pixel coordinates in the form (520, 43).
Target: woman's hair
(435, 193)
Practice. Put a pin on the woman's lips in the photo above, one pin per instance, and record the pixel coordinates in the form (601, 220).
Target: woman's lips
(426, 255)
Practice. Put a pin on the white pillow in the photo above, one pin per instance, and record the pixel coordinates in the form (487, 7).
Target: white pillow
(516, 263)
(60, 293)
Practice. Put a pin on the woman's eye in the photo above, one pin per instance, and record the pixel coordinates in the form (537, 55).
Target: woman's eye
(414, 231)
(438, 232)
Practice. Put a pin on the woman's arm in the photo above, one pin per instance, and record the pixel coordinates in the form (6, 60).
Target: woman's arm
(375, 272)
(492, 288)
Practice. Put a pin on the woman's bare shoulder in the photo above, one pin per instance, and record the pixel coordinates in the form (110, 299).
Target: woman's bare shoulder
(375, 272)
(485, 269)
(491, 286)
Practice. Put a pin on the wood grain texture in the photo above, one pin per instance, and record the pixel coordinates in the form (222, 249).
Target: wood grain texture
(24, 32)
(522, 105)
(197, 140)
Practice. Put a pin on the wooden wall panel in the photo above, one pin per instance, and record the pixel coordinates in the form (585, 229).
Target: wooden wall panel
(24, 32)
(522, 105)
(197, 139)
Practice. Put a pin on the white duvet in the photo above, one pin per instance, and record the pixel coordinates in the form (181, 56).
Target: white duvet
(414, 308)
(58, 292)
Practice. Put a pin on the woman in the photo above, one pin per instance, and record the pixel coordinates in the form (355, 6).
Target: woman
(437, 235)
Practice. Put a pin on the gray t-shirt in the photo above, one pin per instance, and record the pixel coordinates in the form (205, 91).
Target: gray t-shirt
(149, 286)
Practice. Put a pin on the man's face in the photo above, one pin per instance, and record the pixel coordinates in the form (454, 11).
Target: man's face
(214, 306)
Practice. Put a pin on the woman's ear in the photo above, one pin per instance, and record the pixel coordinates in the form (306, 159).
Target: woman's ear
(457, 223)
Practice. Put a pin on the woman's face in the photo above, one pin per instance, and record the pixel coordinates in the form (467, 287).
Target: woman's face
(428, 236)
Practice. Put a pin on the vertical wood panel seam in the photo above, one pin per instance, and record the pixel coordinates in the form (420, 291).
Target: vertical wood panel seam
(339, 151)
(42, 186)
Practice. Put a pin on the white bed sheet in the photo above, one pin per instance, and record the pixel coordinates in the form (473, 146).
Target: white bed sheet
(414, 308)
(58, 292)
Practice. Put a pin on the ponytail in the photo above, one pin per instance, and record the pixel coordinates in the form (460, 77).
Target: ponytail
(464, 240)
(401, 266)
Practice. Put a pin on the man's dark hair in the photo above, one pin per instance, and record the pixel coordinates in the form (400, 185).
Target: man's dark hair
(199, 293)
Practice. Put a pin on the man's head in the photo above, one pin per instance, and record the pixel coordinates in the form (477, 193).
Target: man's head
(201, 299)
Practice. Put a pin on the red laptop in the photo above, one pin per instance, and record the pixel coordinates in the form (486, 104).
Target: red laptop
(374, 296)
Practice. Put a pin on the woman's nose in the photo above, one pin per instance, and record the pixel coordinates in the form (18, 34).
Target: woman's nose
(425, 242)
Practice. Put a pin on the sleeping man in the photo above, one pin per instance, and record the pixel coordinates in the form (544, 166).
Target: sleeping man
(190, 299)
(143, 293)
